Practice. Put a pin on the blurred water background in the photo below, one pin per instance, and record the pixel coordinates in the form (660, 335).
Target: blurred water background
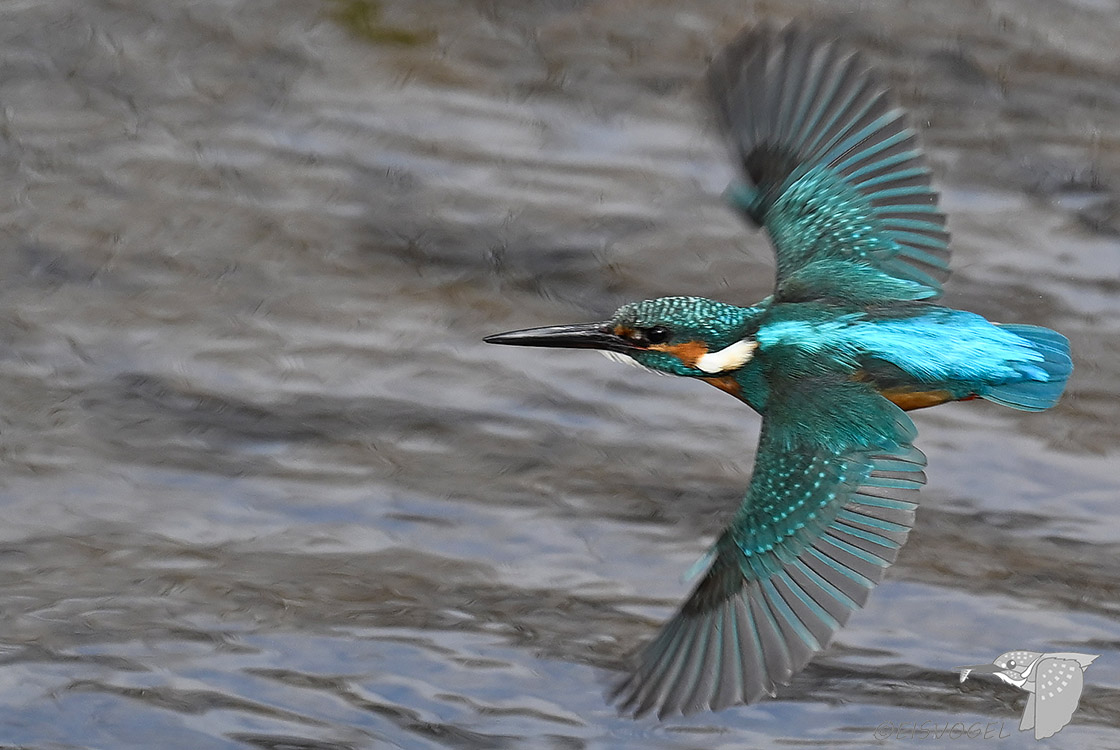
(263, 486)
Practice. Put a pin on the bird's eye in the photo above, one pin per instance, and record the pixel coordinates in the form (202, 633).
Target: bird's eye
(657, 334)
(1011, 664)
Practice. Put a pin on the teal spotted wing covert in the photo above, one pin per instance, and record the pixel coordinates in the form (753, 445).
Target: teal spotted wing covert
(828, 507)
(836, 175)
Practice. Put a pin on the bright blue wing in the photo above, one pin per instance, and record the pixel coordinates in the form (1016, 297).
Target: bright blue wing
(825, 514)
(836, 175)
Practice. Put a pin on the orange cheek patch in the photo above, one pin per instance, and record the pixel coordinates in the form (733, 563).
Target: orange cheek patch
(689, 352)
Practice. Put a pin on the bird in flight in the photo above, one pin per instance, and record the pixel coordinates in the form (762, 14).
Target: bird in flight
(850, 340)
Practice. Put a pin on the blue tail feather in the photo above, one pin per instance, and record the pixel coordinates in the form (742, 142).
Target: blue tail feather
(1034, 394)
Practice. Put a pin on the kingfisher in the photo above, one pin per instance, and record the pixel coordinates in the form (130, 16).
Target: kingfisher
(1054, 682)
(851, 338)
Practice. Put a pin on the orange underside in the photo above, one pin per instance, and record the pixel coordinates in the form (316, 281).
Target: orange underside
(907, 399)
(904, 399)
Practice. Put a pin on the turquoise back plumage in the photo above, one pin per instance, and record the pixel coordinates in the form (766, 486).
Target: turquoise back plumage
(934, 345)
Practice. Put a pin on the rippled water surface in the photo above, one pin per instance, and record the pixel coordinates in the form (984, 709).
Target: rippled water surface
(264, 487)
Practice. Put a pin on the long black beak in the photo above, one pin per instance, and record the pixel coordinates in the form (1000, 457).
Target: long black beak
(580, 336)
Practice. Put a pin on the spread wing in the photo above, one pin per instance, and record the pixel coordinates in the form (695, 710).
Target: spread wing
(825, 514)
(835, 174)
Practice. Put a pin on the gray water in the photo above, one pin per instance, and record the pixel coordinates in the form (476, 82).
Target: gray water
(263, 487)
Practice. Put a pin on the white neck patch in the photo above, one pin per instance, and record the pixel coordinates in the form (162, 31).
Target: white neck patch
(729, 358)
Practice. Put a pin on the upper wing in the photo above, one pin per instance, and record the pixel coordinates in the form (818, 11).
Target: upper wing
(837, 176)
(825, 514)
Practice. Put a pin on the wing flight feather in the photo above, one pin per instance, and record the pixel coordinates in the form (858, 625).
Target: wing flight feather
(833, 171)
(829, 506)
